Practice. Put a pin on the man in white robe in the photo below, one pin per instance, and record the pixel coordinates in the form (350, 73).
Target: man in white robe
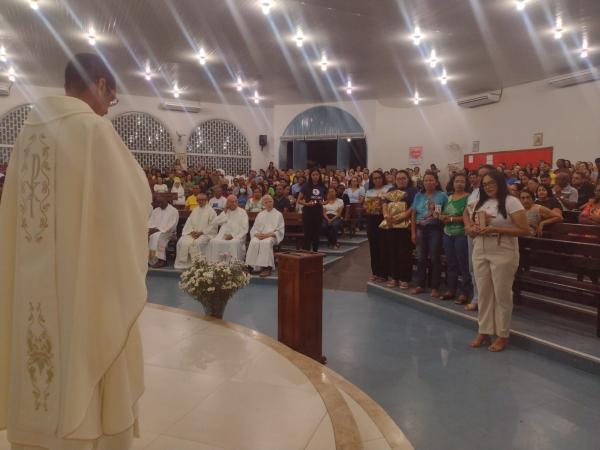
(72, 273)
(162, 227)
(268, 230)
(230, 242)
(199, 229)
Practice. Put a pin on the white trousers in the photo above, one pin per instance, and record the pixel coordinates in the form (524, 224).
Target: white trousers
(189, 248)
(157, 246)
(219, 249)
(495, 262)
(260, 253)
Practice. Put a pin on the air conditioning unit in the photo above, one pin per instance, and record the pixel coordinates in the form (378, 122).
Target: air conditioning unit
(571, 79)
(479, 100)
(5, 89)
(182, 107)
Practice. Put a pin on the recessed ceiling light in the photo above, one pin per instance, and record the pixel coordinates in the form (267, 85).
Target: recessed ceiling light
(266, 5)
(584, 48)
(34, 4)
(3, 56)
(239, 85)
(299, 37)
(324, 62)
(91, 36)
(256, 98)
(520, 4)
(12, 75)
(444, 77)
(416, 98)
(558, 29)
(348, 139)
(417, 36)
(433, 60)
(202, 56)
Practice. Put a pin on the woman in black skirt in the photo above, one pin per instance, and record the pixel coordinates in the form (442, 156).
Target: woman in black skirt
(311, 198)
(374, 216)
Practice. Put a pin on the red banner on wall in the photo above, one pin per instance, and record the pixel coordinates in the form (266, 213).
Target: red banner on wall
(522, 157)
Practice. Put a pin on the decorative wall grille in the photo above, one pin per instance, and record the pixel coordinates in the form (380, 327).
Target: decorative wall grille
(10, 127)
(219, 144)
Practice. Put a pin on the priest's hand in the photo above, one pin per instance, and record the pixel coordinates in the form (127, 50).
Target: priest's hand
(228, 237)
(196, 234)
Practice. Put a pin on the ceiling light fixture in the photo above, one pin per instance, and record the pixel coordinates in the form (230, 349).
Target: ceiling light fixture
(91, 36)
(558, 29)
(348, 139)
(148, 72)
(584, 48)
(239, 85)
(349, 87)
(521, 4)
(266, 6)
(202, 56)
(34, 4)
(176, 91)
(324, 62)
(299, 37)
(256, 98)
(12, 76)
(433, 60)
(3, 56)
(417, 36)
(416, 98)
(444, 77)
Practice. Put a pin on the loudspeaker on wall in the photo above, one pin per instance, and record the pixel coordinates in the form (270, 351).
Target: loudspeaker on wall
(262, 140)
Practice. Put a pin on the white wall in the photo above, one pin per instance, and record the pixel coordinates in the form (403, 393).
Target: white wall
(251, 121)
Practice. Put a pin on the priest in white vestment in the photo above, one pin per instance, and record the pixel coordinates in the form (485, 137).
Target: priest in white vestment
(162, 227)
(230, 242)
(72, 273)
(268, 230)
(199, 229)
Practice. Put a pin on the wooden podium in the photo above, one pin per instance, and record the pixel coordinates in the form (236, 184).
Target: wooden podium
(300, 302)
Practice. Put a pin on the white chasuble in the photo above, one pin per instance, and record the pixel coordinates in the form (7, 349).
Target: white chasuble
(235, 224)
(165, 220)
(201, 220)
(72, 282)
(260, 251)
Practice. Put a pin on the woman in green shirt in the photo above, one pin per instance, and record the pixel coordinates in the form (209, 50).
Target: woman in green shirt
(455, 242)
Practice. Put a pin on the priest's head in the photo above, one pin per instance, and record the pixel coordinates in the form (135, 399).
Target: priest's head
(267, 202)
(202, 199)
(88, 78)
(232, 203)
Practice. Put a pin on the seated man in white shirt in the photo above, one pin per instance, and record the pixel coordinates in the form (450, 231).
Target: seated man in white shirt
(199, 229)
(230, 242)
(268, 230)
(217, 202)
(162, 226)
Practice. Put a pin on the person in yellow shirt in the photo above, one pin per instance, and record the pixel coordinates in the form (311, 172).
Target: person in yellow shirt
(192, 201)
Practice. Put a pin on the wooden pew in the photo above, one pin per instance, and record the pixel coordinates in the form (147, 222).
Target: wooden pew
(352, 217)
(539, 255)
(573, 232)
(571, 216)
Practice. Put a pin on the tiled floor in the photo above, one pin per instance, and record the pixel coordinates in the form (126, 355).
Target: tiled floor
(211, 387)
(440, 392)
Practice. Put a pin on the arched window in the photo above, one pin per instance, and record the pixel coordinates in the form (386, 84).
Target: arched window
(10, 127)
(219, 144)
(147, 138)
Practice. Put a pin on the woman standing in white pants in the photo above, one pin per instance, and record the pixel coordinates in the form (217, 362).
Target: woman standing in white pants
(495, 225)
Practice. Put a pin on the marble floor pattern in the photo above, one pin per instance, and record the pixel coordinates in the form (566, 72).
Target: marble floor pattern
(209, 386)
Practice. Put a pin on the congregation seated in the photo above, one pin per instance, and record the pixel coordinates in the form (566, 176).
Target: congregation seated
(281, 201)
(230, 241)
(218, 201)
(590, 214)
(199, 229)
(191, 202)
(162, 226)
(268, 230)
(160, 187)
(178, 189)
(254, 203)
(332, 217)
(537, 215)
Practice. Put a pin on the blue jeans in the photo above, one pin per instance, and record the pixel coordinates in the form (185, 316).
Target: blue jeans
(457, 257)
(429, 246)
(331, 230)
(475, 292)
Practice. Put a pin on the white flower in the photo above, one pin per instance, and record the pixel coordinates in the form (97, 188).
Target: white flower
(210, 289)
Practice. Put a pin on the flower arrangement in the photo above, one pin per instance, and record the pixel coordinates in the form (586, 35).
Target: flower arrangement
(213, 284)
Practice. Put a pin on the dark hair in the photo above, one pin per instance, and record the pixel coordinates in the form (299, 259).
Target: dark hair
(528, 192)
(309, 181)
(371, 183)
(501, 197)
(465, 176)
(438, 186)
(489, 167)
(84, 70)
(405, 172)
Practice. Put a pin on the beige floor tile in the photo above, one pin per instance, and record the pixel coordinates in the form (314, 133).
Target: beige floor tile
(244, 416)
(171, 394)
(210, 354)
(4, 445)
(169, 443)
(377, 444)
(323, 439)
(272, 368)
(144, 441)
(366, 427)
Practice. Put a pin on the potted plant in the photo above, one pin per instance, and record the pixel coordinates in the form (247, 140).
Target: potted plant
(213, 284)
